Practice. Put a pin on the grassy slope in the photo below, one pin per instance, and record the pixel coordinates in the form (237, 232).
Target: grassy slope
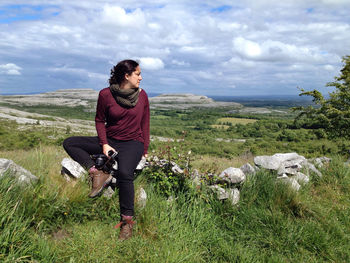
(56, 222)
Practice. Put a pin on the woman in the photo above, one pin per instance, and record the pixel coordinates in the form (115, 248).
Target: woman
(122, 124)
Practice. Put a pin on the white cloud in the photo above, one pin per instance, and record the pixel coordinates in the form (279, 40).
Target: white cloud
(270, 50)
(80, 72)
(116, 15)
(10, 69)
(150, 63)
(180, 63)
(329, 67)
(256, 44)
(231, 26)
(247, 48)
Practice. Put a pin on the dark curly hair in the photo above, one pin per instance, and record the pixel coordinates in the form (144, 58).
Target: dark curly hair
(118, 72)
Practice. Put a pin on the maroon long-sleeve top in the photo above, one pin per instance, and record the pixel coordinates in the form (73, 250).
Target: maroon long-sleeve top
(114, 121)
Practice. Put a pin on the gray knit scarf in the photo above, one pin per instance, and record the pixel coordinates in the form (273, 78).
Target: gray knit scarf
(125, 97)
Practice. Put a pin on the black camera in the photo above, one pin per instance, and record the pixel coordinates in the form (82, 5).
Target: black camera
(106, 164)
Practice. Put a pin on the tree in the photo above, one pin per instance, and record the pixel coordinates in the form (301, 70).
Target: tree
(332, 114)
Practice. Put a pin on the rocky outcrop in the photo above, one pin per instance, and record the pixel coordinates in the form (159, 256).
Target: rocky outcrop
(88, 99)
(186, 101)
(23, 176)
(181, 98)
(68, 97)
(289, 167)
(24, 118)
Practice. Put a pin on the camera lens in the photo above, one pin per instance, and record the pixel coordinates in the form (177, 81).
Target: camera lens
(99, 162)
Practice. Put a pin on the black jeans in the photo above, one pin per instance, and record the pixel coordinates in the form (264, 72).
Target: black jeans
(130, 153)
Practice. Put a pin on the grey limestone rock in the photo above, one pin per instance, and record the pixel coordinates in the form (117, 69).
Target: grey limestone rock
(277, 160)
(176, 169)
(289, 168)
(141, 164)
(292, 182)
(320, 161)
(141, 197)
(219, 191)
(72, 168)
(23, 176)
(196, 177)
(301, 178)
(233, 196)
(232, 175)
(108, 193)
(310, 167)
(248, 169)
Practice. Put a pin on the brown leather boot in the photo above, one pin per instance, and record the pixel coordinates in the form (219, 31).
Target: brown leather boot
(125, 225)
(99, 180)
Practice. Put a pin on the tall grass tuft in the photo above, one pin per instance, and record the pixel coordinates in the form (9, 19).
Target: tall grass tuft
(16, 235)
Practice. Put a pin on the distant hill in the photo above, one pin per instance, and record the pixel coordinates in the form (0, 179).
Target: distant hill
(88, 98)
(186, 101)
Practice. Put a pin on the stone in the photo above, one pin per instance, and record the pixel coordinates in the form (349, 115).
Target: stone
(289, 168)
(233, 196)
(219, 191)
(195, 174)
(196, 178)
(141, 164)
(292, 182)
(176, 169)
(72, 168)
(142, 198)
(232, 175)
(248, 169)
(301, 178)
(108, 192)
(310, 167)
(282, 176)
(320, 161)
(23, 176)
(275, 161)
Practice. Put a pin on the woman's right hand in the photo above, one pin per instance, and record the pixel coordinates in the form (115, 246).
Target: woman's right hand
(106, 148)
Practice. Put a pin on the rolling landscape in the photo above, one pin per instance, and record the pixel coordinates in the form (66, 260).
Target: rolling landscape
(54, 221)
(249, 154)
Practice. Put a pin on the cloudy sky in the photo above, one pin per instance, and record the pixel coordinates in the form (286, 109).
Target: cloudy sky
(231, 48)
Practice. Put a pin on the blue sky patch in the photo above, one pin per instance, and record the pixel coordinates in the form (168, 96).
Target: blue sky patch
(220, 9)
(13, 13)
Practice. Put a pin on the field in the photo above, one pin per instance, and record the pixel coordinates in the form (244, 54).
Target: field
(225, 123)
(55, 221)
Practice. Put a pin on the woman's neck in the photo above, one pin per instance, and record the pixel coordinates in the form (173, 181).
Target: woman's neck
(125, 85)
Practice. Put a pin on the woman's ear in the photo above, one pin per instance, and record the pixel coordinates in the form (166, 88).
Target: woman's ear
(126, 76)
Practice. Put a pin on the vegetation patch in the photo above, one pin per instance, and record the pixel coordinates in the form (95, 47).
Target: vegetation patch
(233, 121)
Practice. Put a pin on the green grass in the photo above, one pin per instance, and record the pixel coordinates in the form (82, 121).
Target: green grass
(77, 112)
(235, 121)
(55, 221)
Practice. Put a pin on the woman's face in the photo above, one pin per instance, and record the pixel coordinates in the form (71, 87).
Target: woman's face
(133, 80)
